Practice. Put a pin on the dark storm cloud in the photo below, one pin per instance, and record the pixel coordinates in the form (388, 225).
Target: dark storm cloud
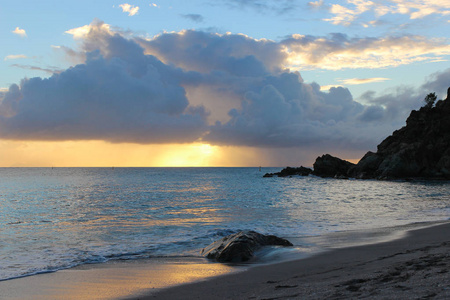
(372, 113)
(136, 90)
(119, 95)
(276, 107)
(439, 83)
(283, 111)
(397, 103)
(200, 50)
(204, 52)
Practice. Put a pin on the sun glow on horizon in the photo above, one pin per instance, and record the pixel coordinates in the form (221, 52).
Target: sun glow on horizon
(189, 155)
(104, 154)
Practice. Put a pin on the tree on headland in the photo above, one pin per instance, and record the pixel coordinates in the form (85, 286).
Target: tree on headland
(430, 99)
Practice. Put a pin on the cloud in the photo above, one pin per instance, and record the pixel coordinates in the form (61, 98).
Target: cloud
(20, 32)
(283, 111)
(344, 15)
(188, 86)
(194, 17)
(3, 91)
(49, 70)
(438, 82)
(420, 9)
(339, 51)
(355, 81)
(276, 108)
(73, 56)
(120, 95)
(399, 101)
(14, 56)
(262, 6)
(353, 10)
(352, 81)
(204, 52)
(329, 86)
(130, 9)
(316, 4)
(82, 32)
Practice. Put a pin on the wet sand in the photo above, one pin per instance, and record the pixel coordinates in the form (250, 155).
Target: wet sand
(112, 280)
(414, 267)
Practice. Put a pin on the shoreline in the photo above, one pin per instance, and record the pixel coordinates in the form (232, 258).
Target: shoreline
(111, 280)
(172, 278)
(415, 266)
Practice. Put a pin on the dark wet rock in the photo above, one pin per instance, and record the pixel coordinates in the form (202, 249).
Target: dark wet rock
(421, 149)
(240, 247)
(330, 166)
(289, 171)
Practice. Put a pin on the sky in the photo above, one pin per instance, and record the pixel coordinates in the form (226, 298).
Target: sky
(213, 83)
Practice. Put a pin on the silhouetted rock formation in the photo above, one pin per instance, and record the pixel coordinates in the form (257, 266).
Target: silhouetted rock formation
(241, 246)
(421, 149)
(288, 171)
(330, 166)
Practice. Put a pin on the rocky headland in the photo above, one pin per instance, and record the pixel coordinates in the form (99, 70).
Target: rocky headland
(421, 149)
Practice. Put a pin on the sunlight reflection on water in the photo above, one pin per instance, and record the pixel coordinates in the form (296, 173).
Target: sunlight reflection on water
(57, 218)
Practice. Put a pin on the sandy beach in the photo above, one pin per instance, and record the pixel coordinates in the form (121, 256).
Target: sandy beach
(414, 267)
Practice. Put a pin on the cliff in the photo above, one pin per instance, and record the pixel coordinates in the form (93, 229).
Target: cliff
(421, 149)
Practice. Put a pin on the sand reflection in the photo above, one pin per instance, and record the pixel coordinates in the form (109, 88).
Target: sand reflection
(112, 280)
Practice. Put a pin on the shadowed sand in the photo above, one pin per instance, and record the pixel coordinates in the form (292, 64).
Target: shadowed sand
(414, 267)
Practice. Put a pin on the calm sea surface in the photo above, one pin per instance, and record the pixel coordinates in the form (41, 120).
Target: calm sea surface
(51, 219)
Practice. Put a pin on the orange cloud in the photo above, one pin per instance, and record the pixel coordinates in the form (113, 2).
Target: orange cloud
(130, 9)
(416, 9)
(355, 81)
(20, 32)
(342, 52)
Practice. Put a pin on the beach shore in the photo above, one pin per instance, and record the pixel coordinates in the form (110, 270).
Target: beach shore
(414, 267)
(111, 280)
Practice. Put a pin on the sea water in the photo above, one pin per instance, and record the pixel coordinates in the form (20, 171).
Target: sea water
(53, 219)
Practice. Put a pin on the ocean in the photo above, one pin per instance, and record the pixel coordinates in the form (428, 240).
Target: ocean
(54, 219)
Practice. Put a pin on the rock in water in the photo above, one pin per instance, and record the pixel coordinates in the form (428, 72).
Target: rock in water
(288, 171)
(330, 166)
(240, 247)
